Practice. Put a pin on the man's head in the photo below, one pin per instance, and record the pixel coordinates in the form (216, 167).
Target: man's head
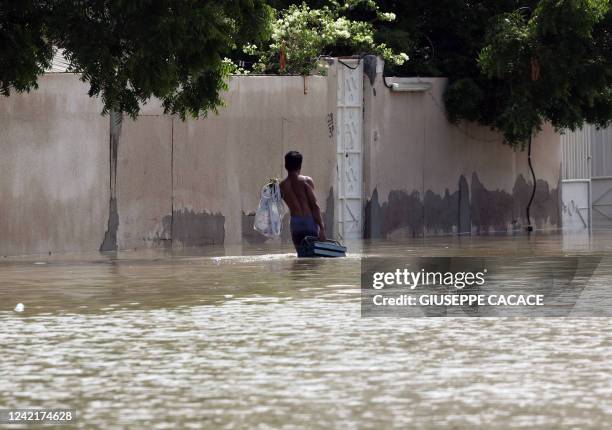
(293, 161)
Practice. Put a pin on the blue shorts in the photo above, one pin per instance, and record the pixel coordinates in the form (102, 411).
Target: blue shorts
(302, 226)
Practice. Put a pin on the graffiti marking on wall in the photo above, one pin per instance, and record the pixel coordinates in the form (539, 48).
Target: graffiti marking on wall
(330, 124)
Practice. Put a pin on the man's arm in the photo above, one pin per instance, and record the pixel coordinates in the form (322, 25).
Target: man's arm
(314, 207)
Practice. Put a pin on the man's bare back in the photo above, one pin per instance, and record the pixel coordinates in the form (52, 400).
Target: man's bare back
(295, 191)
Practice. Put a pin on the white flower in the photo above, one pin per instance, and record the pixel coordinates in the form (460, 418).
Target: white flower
(387, 16)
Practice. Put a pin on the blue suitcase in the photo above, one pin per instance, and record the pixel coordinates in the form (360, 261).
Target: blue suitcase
(313, 247)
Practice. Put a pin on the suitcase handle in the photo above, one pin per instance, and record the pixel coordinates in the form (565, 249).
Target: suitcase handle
(309, 239)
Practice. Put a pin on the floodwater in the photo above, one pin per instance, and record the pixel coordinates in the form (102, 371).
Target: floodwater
(256, 338)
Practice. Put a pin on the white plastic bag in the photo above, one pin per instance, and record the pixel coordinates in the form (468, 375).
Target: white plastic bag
(269, 215)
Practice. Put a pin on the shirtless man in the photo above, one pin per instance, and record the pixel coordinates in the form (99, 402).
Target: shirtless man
(298, 193)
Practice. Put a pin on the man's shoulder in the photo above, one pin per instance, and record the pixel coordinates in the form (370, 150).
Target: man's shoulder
(307, 179)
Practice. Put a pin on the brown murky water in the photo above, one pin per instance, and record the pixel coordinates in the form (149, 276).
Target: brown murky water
(190, 340)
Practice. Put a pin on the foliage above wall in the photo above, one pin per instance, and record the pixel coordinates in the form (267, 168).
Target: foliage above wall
(511, 64)
(301, 35)
(552, 63)
(130, 51)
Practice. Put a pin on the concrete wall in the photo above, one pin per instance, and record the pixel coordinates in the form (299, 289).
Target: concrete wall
(54, 173)
(424, 175)
(197, 182)
(74, 180)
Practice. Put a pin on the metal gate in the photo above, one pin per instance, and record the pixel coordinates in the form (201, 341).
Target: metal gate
(601, 202)
(575, 195)
(349, 150)
(576, 153)
(587, 178)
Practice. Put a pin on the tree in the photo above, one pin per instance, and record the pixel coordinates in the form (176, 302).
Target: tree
(301, 35)
(553, 64)
(25, 51)
(511, 64)
(539, 61)
(130, 51)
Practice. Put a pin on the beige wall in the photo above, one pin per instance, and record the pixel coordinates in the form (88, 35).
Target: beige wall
(144, 180)
(426, 175)
(197, 182)
(177, 183)
(54, 173)
(221, 163)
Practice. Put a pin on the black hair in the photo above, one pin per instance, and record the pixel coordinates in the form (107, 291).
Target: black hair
(293, 161)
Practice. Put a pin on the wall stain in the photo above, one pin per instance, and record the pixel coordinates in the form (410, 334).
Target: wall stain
(493, 210)
(372, 218)
(402, 213)
(249, 234)
(547, 204)
(328, 215)
(370, 63)
(440, 213)
(464, 219)
(110, 236)
(162, 238)
(109, 243)
(469, 209)
(190, 228)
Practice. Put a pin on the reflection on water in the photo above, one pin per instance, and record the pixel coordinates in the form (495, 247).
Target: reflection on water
(193, 340)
